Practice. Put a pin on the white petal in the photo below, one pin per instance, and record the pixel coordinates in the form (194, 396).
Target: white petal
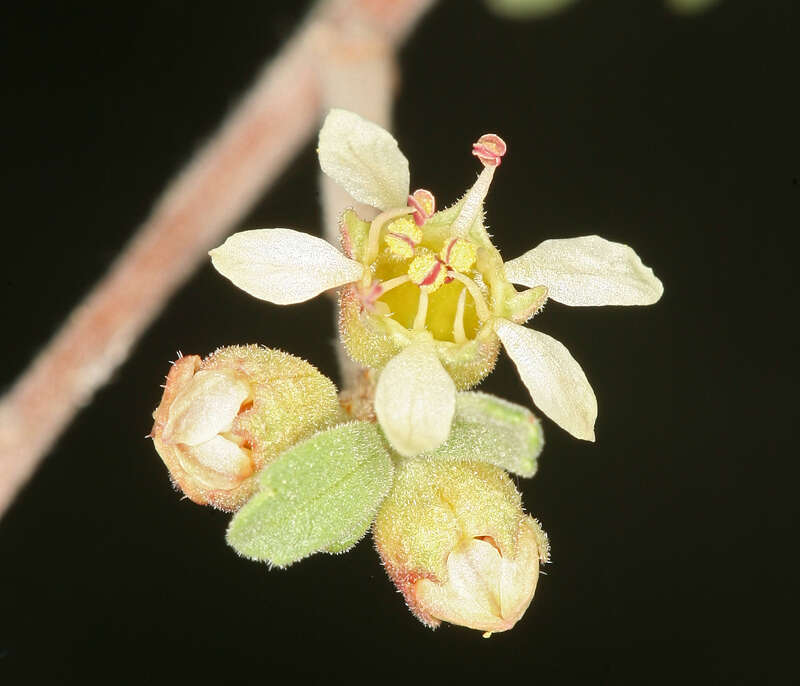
(521, 574)
(556, 382)
(587, 271)
(206, 406)
(223, 456)
(283, 266)
(471, 596)
(415, 400)
(216, 464)
(364, 159)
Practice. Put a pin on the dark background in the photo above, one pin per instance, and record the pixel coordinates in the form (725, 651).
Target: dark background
(671, 535)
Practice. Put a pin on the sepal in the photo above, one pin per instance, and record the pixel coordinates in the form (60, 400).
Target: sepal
(492, 430)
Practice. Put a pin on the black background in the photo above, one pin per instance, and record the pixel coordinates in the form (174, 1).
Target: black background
(671, 535)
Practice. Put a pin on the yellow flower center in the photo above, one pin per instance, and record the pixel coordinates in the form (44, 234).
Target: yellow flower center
(429, 281)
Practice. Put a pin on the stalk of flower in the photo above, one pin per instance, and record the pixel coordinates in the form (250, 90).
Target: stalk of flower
(424, 292)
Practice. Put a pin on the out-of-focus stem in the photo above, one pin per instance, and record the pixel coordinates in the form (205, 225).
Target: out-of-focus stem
(198, 207)
(358, 75)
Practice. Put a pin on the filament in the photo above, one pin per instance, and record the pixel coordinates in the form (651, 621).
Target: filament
(458, 324)
(394, 283)
(422, 311)
(475, 292)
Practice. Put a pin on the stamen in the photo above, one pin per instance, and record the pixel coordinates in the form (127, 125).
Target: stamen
(424, 205)
(422, 311)
(427, 271)
(459, 254)
(375, 230)
(400, 245)
(458, 324)
(403, 237)
(477, 296)
(394, 283)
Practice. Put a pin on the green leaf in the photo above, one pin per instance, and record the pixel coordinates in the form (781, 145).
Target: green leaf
(320, 495)
(489, 429)
(342, 546)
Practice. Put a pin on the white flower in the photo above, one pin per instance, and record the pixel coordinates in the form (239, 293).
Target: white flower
(435, 282)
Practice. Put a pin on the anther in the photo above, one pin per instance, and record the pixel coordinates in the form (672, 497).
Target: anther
(427, 271)
(459, 254)
(422, 311)
(403, 237)
(375, 227)
(424, 205)
(458, 323)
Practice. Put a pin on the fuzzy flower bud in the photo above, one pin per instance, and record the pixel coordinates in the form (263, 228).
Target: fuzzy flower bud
(456, 543)
(223, 418)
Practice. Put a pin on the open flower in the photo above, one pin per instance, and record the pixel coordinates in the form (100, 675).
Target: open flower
(429, 292)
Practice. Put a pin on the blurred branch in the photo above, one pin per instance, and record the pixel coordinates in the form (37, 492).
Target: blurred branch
(198, 207)
(353, 56)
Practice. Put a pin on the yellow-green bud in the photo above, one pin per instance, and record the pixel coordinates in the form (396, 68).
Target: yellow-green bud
(455, 541)
(222, 419)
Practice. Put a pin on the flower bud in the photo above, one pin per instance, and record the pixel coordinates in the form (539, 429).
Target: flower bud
(224, 418)
(456, 543)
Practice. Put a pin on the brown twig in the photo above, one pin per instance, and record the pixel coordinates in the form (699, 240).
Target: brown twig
(198, 207)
